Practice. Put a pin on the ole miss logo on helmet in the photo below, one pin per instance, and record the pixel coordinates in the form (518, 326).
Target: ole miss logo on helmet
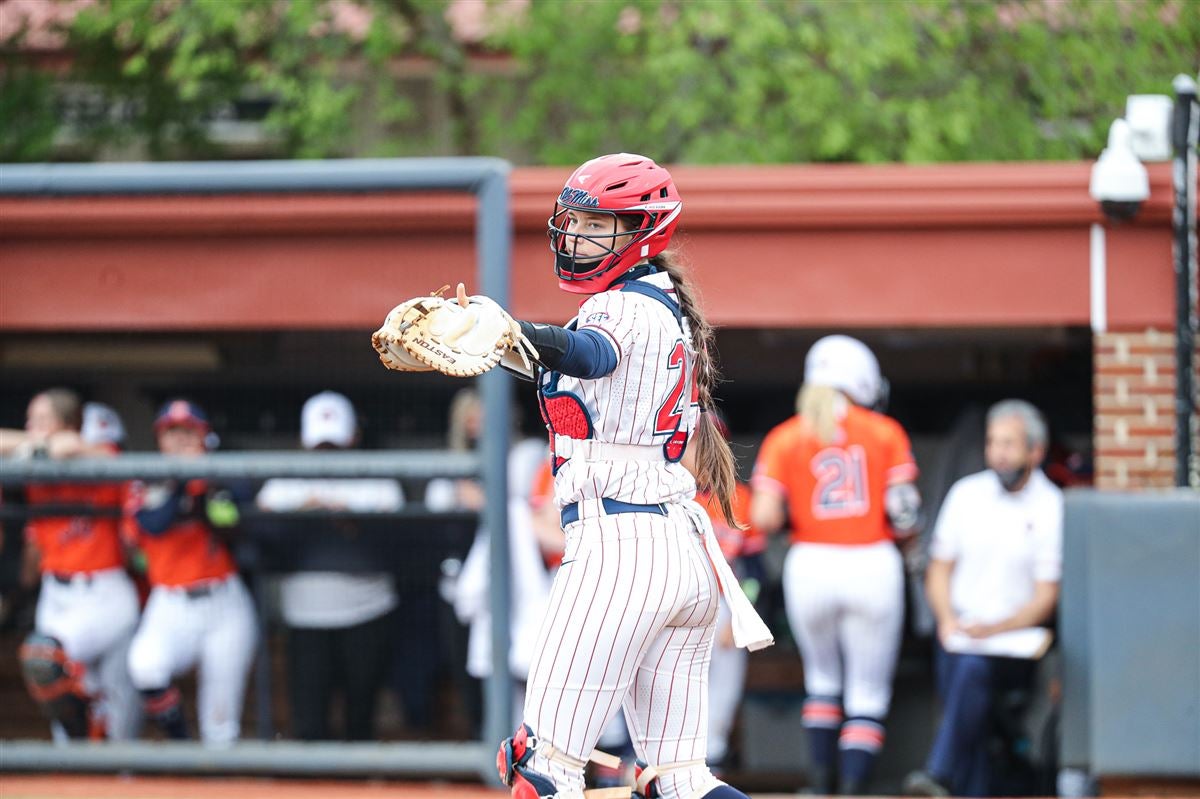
(578, 198)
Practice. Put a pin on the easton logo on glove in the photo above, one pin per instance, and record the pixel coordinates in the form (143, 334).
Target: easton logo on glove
(462, 337)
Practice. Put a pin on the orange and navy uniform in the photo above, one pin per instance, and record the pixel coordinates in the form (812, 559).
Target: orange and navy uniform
(76, 544)
(835, 491)
(734, 543)
(170, 526)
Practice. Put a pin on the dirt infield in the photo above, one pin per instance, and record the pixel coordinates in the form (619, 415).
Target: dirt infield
(74, 786)
(107, 787)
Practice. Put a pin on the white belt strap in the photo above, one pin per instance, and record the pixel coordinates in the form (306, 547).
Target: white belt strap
(749, 631)
(592, 450)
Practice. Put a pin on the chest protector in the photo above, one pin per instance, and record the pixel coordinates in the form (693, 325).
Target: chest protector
(564, 412)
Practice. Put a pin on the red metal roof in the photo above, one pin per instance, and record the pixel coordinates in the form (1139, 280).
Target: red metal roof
(771, 246)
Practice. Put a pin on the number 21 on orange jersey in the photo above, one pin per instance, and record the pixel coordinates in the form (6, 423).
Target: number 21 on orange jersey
(841, 488)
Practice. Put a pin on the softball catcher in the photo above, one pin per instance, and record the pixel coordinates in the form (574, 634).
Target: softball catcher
(622, 389)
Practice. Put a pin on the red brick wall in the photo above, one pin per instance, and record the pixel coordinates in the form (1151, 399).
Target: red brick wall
(1134, 393)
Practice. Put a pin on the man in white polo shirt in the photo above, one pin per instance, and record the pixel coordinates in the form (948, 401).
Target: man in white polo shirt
(336, 601)
(995, 565)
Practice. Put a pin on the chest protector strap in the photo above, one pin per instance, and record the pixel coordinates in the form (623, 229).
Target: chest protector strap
(563, 413)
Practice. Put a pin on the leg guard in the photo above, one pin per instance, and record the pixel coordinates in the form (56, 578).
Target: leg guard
(647, 782)
(56, 683)
(512, 764)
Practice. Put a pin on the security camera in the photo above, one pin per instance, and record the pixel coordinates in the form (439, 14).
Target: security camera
(1119, 180)
(1149, 118)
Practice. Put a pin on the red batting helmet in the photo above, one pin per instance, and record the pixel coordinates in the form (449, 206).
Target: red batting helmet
(182, 413)
(630, 186)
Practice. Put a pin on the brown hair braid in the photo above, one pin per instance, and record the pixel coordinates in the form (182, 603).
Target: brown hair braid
(716, 469)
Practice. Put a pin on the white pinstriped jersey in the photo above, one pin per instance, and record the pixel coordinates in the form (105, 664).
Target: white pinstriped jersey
(641, 402)
(633, 608)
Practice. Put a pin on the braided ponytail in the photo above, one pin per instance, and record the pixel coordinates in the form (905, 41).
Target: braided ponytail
(716, 469)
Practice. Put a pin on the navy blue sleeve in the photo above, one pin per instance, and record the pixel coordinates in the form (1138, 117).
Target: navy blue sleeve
(584, 354)
(157, 519)
(589, 355)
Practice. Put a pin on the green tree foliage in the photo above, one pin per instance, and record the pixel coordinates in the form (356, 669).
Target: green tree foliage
(166, 68)
(714, 81)
(556, 81)
(30, 119)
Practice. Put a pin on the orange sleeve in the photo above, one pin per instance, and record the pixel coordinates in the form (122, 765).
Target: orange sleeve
(543, 486)
(770, 470)
(901, 466)
(753, 540)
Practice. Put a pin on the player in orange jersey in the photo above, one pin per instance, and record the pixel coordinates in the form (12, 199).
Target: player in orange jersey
(840, 475)
(199, 613)
(74, 661)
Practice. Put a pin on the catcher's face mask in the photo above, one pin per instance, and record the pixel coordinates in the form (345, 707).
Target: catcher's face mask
(614, 212)
(585, 238)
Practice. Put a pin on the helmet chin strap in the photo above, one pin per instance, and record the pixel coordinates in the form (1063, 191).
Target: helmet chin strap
(638, 271)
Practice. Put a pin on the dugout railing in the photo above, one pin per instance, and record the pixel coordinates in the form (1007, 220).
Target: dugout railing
(265, 755)
(487, 180)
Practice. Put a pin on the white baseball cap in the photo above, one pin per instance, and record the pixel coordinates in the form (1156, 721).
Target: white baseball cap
(327, 418)
(101, 424)
(846, 364)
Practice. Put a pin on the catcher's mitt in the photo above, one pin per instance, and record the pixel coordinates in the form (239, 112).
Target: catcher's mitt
(461, 337)
(386, 341)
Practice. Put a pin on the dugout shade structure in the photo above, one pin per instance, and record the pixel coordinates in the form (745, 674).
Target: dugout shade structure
(971, 282)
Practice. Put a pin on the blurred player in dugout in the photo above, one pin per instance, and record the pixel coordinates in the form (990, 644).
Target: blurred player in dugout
(74, 660)
(199, 614)
(338, 606)
(841, 475)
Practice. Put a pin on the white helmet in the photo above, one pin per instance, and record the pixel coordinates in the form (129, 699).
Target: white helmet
(848, 365)
(101, 425)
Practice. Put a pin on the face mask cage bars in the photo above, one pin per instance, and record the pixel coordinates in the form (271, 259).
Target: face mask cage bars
(568, 264)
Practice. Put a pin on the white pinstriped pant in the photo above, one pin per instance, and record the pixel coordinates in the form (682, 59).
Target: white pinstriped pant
(631, 619)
